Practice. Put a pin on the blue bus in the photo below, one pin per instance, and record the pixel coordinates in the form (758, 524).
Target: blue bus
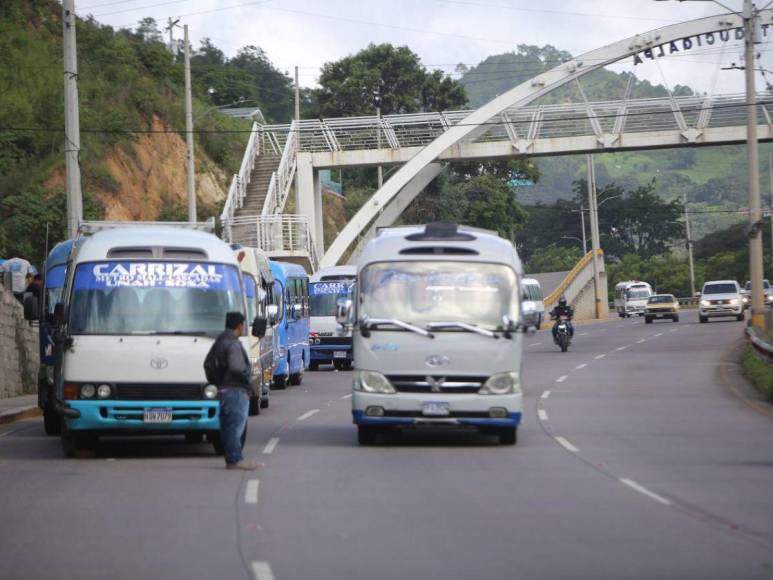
(291, 283)
(54, 274)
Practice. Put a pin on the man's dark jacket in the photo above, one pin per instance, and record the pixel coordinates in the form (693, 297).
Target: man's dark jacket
(238, 370)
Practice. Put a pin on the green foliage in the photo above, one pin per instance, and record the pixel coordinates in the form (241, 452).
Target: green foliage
(349, 86)
(758, 371)
(553, 258)
(668, 274)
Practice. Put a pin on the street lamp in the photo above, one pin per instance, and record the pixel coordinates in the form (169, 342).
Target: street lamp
(582, 241)
(749, 15)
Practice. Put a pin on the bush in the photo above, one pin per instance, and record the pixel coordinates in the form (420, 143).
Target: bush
(758, 371)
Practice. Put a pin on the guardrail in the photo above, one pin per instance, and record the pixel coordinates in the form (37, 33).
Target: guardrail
(239, 182)
(759, 342)
(277, 234)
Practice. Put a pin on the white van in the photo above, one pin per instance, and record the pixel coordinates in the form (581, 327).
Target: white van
(437, 332)
(631, 298)
(141, 308)
(720, 298)
(532, 301)
(327, 344)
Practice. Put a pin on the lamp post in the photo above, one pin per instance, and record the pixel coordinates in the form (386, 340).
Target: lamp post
(749, 15)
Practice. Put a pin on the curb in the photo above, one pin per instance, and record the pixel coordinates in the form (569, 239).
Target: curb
(19, 414)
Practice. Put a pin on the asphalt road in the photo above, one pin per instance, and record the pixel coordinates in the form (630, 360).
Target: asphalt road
(639, 458)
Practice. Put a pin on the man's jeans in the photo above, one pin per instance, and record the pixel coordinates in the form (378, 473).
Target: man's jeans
(234, 408)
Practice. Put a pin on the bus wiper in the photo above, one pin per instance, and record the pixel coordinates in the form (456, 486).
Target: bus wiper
(179, 333)
(463, 326)
(367, 324)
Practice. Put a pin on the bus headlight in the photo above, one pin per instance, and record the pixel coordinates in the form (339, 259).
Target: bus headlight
(501, 384)
(210, 392)
(88, 391)
(104, 391)
(372, 382)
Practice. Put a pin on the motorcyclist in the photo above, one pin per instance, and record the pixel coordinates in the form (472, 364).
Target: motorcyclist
(562, 309)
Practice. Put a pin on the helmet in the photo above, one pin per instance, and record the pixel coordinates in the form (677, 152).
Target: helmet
(562, 301)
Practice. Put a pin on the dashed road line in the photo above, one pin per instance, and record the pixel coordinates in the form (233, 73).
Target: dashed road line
(543, 416)
(271, 445)
(535, 344)
(599, 356)
(262, 571)
(583, 334)
(545, 395)
(308, 414)
(642, 341)
(562, 378)
(347, 396)
(566, 445)
(643, 490)
(619, 348)
(673, 330)
(582, 366)
(251, 492)
(659, 334)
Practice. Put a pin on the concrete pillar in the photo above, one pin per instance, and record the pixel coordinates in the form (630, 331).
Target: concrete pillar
(309, 198)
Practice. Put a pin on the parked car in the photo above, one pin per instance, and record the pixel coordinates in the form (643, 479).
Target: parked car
(721, 298)
(664, 306)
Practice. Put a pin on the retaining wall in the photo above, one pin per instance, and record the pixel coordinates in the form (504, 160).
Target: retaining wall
(19, 355)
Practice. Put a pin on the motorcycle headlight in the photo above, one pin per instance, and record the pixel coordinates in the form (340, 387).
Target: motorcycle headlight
(88, 391)
(210, 392)
(372, 382)
(104, 391)
(705, 303)
(501, 384)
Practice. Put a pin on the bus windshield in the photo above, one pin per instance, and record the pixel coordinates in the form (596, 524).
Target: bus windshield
(638, 294)
(153, 298)
(324, 295)
(424, 292)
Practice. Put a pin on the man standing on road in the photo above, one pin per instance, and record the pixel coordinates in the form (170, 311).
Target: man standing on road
(234, 392)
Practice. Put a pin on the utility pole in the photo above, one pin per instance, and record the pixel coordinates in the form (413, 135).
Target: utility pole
(170, 27)
(689, 245)
(189, 131)
(297, 127)
(297, 97)
(770, 209)
(378, 132)
(755, 237)
(72, 131)
(582, 221)
(594, 231)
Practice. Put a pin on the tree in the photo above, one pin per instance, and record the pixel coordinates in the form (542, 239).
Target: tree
(350, 86)
(147, 30)
(553, 258)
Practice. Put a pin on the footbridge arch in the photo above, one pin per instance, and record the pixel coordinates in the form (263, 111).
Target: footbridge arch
(388, 202)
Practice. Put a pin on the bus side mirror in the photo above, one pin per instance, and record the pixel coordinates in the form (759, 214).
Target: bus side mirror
(272, 314)
(60, 314)
(259, 326)
(344, 311)
(31, 307)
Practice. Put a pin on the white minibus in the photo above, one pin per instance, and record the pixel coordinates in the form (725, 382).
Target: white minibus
(437, 332)
(532, 301)
(327, 344)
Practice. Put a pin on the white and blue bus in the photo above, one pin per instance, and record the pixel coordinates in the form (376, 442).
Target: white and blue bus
(291, 282)
(328, 344)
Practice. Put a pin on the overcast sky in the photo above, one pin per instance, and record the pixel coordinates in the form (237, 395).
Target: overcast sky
(308, 33)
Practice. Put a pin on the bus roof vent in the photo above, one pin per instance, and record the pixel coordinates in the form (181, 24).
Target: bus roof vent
(440, 232)
(185, 254)
(130, 252)
(438, 251)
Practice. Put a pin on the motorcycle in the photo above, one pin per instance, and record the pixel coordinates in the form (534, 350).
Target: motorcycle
(563, 337)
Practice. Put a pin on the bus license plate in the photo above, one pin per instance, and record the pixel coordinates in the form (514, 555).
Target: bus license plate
(158, 416)
(339, 354)
(435, 410)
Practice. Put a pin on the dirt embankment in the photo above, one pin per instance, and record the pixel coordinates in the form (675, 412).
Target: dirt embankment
(145, 179)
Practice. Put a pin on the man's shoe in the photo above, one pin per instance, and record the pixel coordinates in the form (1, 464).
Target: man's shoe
(244, 465)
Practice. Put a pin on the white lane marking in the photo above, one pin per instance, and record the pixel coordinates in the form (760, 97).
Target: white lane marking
(562, 378)
(637, 322)
(641, 489)
(674, 329)
(659, 334)
(535, 344)
(621, 348)
(583, 334)
(642, 341)
(546, 394)
(599, 356)
(251, 492)
(582, 366)
(262, 571)
(308, 414)
(349, 396)
(271, 445)
(543, 416)
(566, 445)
